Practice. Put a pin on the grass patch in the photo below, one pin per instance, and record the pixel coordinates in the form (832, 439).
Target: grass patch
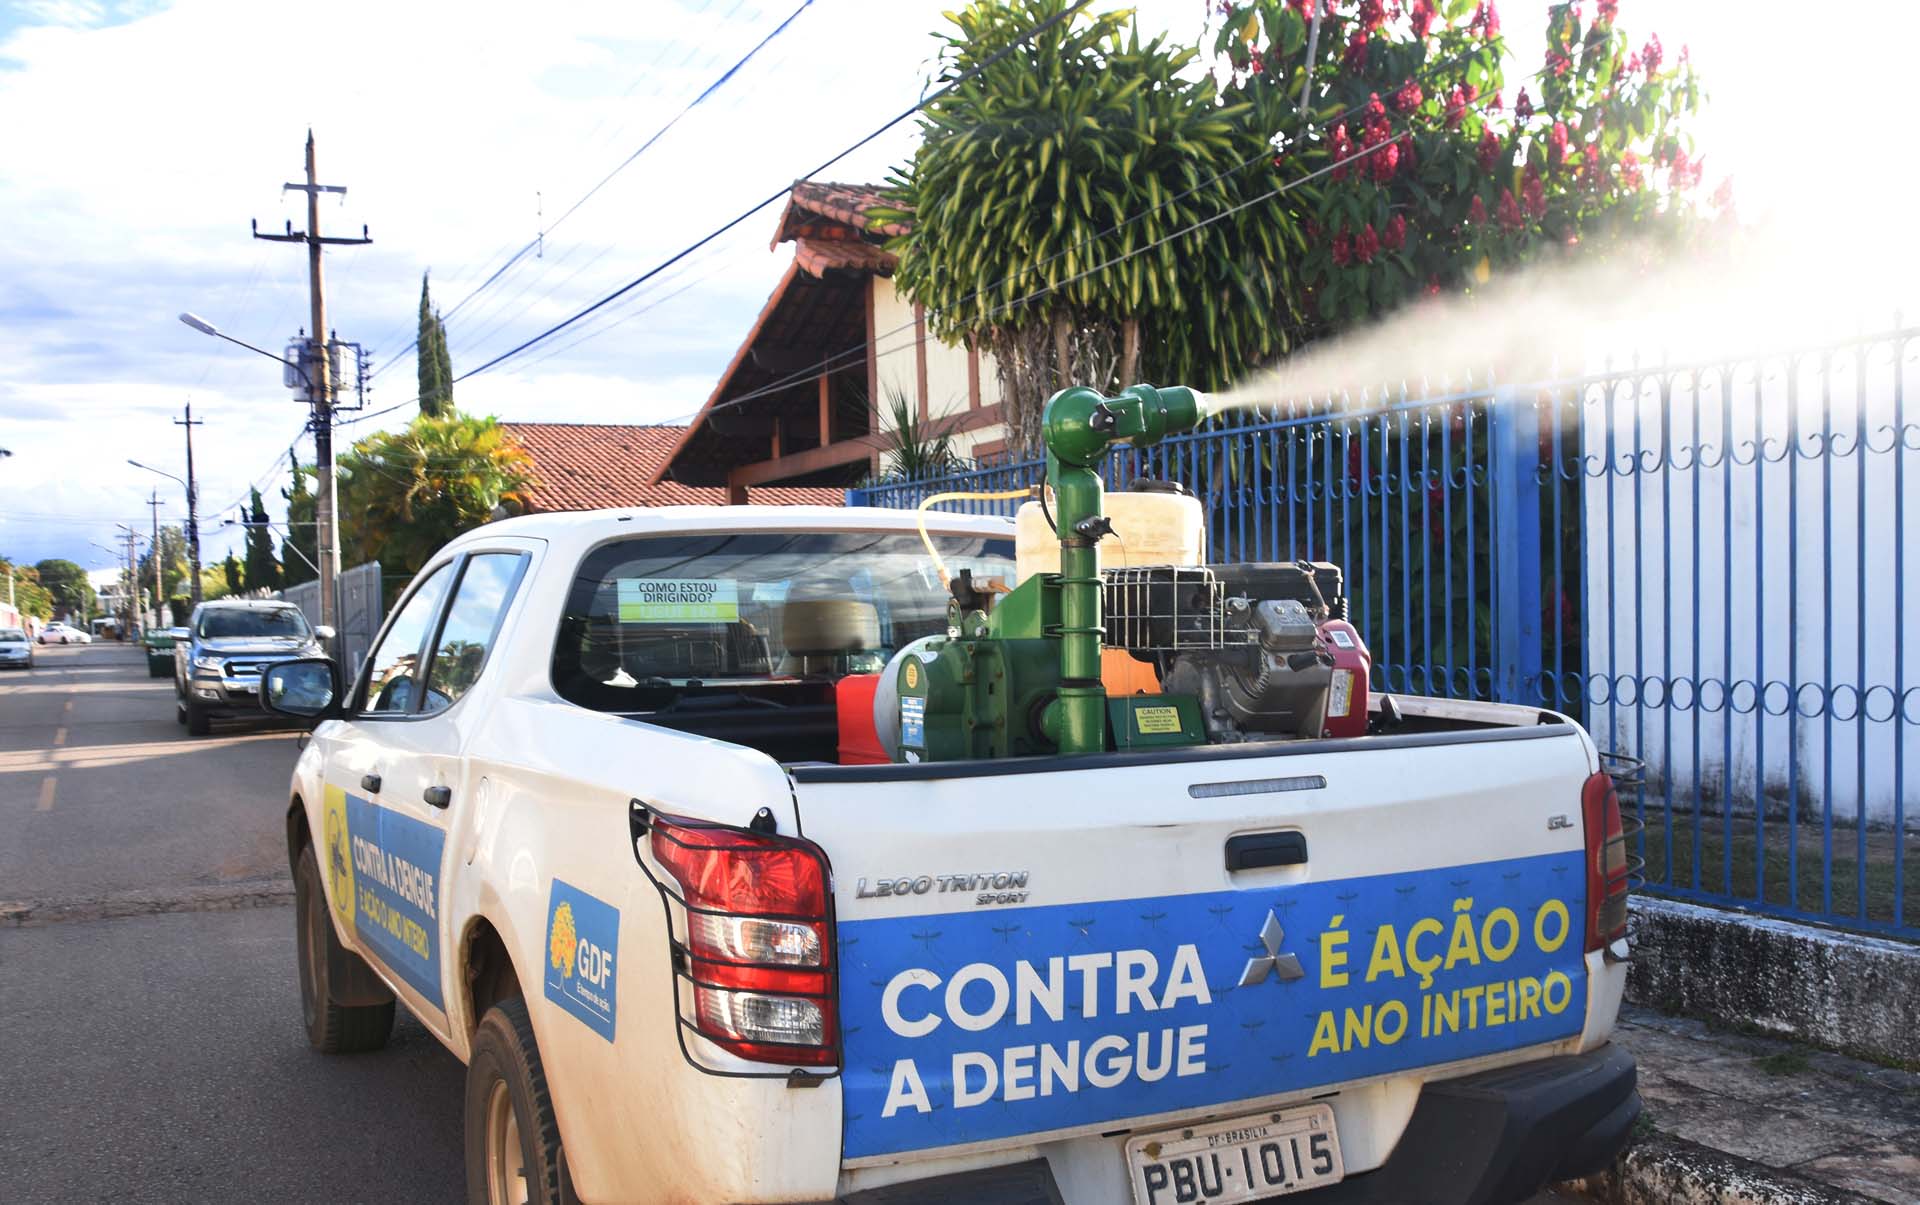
(1780, 864)
(1785, 1062)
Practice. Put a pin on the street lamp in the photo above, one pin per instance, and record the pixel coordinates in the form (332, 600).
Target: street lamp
(193, 515)
(149, 468)
(207, 328)
(321, 398)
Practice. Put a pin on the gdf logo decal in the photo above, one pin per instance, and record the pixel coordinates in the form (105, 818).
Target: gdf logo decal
(583, 935)
(337, 853)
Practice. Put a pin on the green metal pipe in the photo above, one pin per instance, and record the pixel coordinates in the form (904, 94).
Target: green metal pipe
(1079, 427)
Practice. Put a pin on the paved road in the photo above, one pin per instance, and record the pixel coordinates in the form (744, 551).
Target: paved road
(102, 794)
(160, 1058)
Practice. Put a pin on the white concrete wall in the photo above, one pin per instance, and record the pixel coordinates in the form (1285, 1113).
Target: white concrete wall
(1762, 553)
(898, 367)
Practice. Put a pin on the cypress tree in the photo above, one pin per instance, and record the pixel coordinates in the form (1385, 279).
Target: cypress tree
(435, 364)
(262, 569)
(231, 568)
(302, 536)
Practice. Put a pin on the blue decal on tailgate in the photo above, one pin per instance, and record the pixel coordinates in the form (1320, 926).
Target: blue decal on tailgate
(384, 871)
(971, 1026)
(582, 934)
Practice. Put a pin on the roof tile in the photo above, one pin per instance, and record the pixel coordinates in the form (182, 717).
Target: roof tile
(588, 466)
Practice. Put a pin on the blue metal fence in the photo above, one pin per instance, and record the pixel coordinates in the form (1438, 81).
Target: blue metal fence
(1706, 564)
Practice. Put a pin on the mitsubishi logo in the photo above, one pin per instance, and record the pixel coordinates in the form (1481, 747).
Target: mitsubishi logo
(1273, 962)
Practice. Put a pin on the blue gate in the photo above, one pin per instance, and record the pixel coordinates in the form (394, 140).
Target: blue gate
(1707, 564)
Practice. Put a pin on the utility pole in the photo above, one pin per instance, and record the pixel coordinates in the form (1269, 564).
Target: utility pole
(320, 381)
(193, 509)
(132, 607)
(154, 552)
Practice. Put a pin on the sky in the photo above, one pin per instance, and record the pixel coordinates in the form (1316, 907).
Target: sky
(139, 138)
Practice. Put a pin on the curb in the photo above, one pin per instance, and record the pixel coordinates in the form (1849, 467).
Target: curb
(268, 893)
(1823, 987)
(1663, 1170)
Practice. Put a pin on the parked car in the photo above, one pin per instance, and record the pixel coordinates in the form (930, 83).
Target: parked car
(600, 809)
(159, 644)
(61, 633)
(227, 643)
(16, 651)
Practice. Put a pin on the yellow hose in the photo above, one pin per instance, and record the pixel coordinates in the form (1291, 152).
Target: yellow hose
(939, 565)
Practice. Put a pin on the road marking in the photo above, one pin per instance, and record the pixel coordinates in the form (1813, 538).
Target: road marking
(59, 737)
(47, 786)
(68, 709)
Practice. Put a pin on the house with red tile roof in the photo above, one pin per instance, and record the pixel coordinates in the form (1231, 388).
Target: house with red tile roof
(588, 466)
(800, 403)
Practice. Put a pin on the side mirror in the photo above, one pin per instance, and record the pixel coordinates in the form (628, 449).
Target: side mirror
(307, 689)
(323, 631)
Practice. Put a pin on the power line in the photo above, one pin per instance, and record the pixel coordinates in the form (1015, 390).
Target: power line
(677, 256)
(689, 107)
(712, 87)
(837, 360)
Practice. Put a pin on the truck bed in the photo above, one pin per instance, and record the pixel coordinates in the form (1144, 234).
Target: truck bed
(1042, 953)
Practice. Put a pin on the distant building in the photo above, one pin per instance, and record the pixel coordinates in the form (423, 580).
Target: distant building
(799, 404)
(587, 466)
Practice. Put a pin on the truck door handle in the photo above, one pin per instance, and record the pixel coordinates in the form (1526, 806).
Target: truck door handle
(370, 782)
(1250, 851)
(438, 797)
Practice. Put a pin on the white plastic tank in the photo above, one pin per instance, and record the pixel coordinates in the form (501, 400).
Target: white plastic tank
(1149, 528)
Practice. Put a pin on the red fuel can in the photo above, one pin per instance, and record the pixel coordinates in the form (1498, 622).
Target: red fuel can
(1352, 668)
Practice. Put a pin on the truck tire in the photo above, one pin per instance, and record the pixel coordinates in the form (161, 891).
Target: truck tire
(513, 1140)
(197, 722)
(331, 1028)
(179, 709)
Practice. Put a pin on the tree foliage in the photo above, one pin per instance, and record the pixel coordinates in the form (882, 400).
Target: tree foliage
(405, 493)
(435, 362)
(303, 538)
(29, 594)
(1414, 171)
(1050, 200)
(262, 568)
(173, 563)
(67, 585)
(910, 447)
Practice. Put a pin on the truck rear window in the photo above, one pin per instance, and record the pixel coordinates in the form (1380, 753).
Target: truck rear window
(654, 620)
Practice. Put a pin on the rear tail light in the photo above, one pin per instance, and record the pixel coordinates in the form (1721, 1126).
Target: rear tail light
(758, 956)
(1608, 868)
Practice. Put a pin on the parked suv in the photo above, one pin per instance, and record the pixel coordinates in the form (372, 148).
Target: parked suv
(227, 643)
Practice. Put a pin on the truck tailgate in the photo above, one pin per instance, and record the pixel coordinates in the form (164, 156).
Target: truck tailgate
(1030, 949)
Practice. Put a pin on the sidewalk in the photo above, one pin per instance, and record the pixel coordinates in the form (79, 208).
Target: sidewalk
(1733, 1118)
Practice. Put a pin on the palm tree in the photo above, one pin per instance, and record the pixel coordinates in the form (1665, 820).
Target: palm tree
(405, 493)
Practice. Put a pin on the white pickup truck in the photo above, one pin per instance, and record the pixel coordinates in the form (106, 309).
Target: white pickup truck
(597, 811)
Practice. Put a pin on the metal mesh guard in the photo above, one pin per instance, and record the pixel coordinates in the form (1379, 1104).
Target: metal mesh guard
(1158, 608)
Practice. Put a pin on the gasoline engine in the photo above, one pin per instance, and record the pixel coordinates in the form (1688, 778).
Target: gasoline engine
(1137, 657)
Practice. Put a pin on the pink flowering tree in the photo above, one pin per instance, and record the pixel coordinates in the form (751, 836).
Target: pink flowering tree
(1419, 168)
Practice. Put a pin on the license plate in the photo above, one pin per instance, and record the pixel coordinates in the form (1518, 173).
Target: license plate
(1246, 1159)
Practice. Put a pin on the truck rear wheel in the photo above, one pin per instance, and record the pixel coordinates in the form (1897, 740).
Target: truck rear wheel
(331, 1028)
(513, 1141)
